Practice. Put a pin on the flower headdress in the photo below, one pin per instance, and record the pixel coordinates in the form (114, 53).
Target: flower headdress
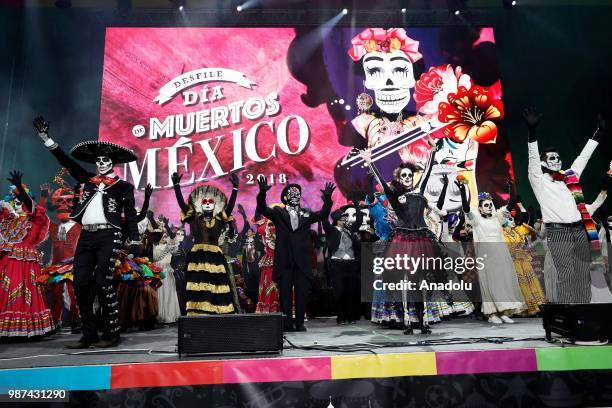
(381, 40)
(484, 196)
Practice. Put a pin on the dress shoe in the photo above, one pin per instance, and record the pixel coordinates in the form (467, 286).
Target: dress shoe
(81, 344)
(300, 328)
(108, 342)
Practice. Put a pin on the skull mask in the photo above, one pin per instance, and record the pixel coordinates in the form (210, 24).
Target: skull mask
(180, 235)
(293, 196)
(405, 178)
(104, 164)
(390, 76)
(486, 207)
(552, 162)
(509, 222)
(18, 206)
(207, 203)
(62, 199)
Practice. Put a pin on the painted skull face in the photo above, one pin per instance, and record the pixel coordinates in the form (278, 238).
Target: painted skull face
(405, 178)
(62, 199)
(553, 161)
(208, 203)
(180, 235)
(609, 221)
(486, 207)
(18, 206)
(293, 196)
(350, 216)
(104, 164)
(390, 76)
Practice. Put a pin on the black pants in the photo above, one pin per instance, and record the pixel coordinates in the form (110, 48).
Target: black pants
(345, 280)
(94, 262)
(293, 281)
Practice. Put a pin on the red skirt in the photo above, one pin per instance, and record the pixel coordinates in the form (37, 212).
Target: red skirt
(23, 310)
(268, 292)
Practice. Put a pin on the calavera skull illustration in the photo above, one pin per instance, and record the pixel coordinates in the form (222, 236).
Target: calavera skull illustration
(391, 76)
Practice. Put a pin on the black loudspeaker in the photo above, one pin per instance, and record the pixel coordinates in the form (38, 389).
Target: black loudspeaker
(578, 321)
(230, 334)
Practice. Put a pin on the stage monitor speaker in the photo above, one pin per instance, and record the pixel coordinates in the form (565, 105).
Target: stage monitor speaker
(578, 322)
(230, 334)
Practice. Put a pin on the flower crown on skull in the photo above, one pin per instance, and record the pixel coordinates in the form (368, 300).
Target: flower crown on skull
(484, 196)
(381, 40)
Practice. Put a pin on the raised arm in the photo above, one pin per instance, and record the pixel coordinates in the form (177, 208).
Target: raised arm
(586, 153)
(129, 210)
(323, 213)
(145, 203)
(531, 118)
(389, 192)
(176, 180)
(464, 200)
(232, 200)
(75, 169)
(246, 226)
(15, 179)
(262, 207)
(442, 198)
(427, 172)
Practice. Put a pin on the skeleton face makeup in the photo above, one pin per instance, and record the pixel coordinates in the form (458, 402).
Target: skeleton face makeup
(553, 161)
(208, 203)
(405, 178)
(18, 206)
(104, 164)
(350, 216)
(390, 76)
(486, 207)
(180, 235)
(293, 196)
(609, 221)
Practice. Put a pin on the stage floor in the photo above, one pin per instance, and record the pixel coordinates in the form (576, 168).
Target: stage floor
(159, 345)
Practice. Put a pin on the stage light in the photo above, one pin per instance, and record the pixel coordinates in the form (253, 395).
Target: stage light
(239, 9)
(347, 107)
(181, 7)
(509, 3)
(403, 10)
(456, 6)
(345, 11)
(457, 12)
(341, 101)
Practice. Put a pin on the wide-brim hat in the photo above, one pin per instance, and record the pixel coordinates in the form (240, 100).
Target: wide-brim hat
(88, 152)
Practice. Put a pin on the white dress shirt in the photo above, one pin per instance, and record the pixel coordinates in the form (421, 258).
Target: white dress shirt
(555, 199)
(94, 213)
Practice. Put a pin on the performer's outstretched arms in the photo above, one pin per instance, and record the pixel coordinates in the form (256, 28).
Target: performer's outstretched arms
(232, 200)
(323, 213)
(532, 117)
(176, 180)
(262, 207)
(464, 200)
(75, 169)
(145, 203)
(15, 179)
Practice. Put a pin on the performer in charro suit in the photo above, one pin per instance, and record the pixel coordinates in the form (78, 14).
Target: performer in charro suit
(103, 200)
(292, 261)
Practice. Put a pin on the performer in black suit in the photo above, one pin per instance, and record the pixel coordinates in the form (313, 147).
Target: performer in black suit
(343, 259)
(292, 257)
(102, 201)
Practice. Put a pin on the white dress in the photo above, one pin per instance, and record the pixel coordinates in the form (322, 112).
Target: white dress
(167, 298)
(498, 280)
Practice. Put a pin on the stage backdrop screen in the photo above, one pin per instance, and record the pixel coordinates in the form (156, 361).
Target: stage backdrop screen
(295, 105)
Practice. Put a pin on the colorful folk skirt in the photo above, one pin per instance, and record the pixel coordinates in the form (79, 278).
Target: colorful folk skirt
(268, 292)
(23, 310)
(209, 287)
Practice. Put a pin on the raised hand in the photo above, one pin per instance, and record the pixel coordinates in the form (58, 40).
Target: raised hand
(45, 190)
(148, 191)
(328, 190)
(531, 117)
(15, 178)
(263, 184)
(176, 178)
(41, 126)
(234, 180)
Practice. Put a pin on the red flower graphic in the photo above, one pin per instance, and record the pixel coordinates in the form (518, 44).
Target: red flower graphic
(471, 113)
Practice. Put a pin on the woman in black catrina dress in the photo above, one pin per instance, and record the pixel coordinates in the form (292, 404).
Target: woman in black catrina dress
(210, 287)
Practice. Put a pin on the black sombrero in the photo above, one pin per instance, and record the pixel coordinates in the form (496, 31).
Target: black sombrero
(88, 152)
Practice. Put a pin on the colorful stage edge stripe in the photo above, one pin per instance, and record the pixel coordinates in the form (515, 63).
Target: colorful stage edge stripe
(280, 369)
(73, 378)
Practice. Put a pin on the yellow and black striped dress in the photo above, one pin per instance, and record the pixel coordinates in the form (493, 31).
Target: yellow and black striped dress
(209, 286)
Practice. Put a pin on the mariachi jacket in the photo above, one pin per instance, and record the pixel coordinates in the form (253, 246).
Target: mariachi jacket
(117, 198)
